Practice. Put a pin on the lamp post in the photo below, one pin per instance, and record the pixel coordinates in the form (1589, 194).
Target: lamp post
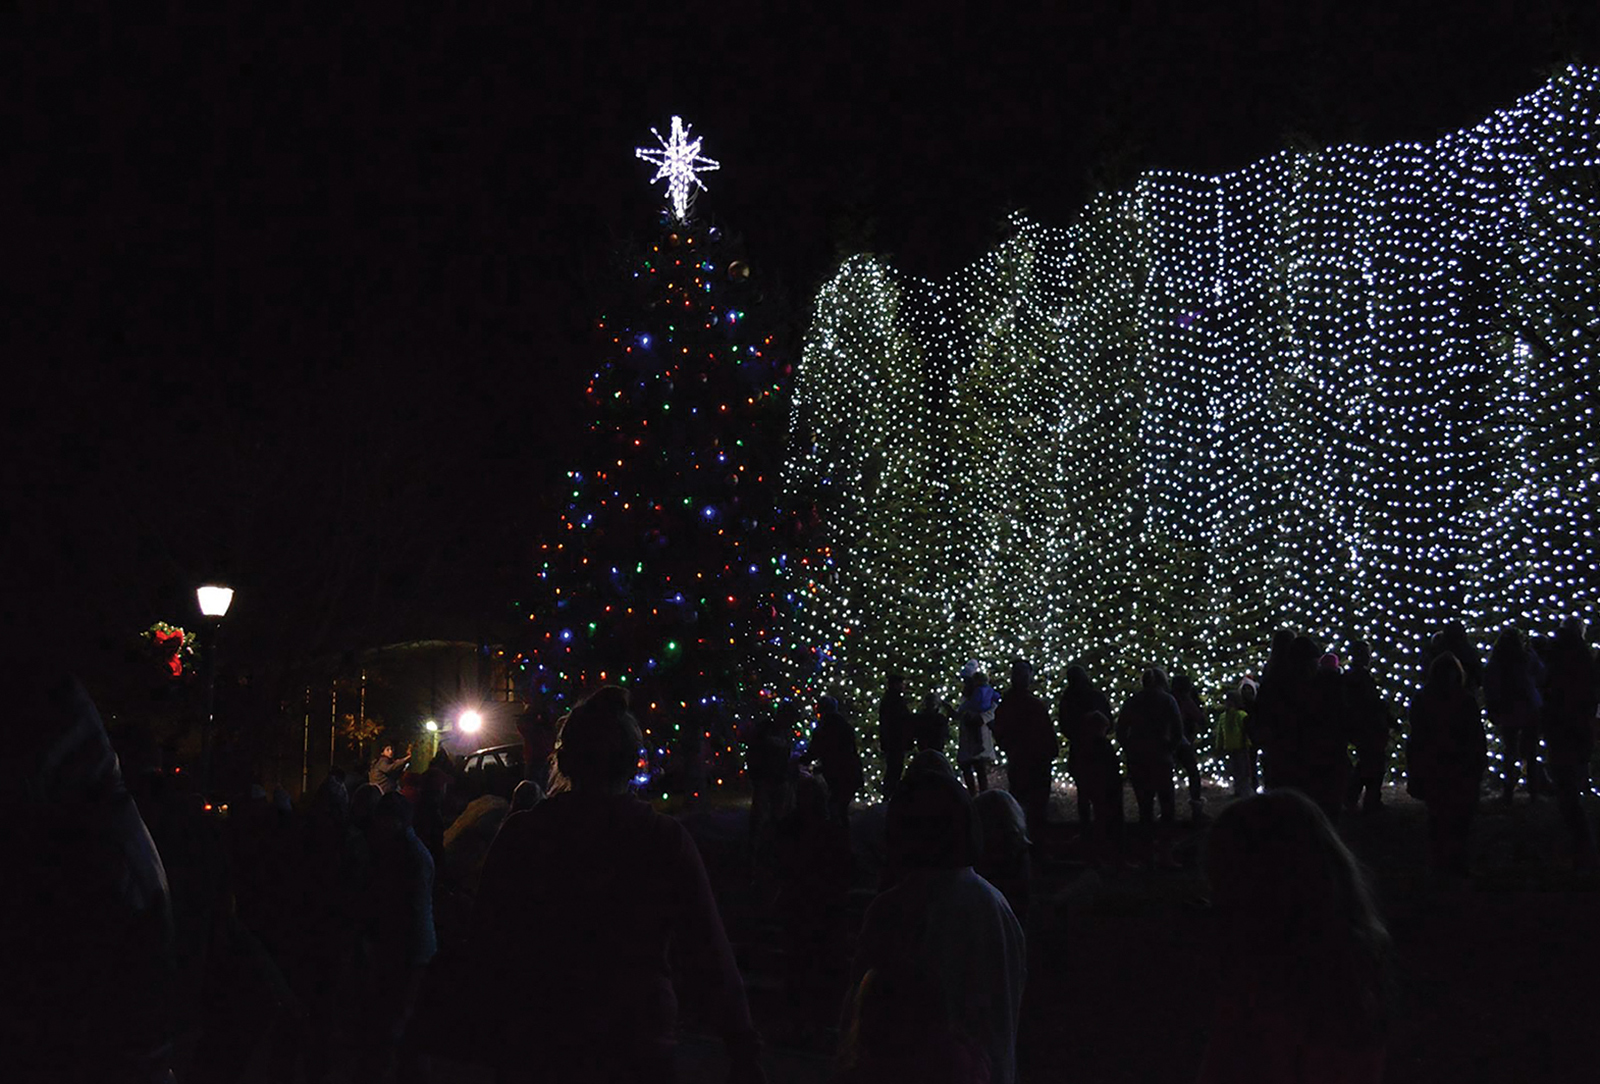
(214, 602)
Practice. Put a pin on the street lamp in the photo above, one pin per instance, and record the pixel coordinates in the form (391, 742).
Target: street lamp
(432, 727)
(470, 722)
(214, 602)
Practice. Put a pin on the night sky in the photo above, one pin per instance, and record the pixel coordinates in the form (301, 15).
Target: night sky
(305, 296)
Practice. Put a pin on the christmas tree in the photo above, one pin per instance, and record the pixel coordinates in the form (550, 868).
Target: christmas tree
(658, 575)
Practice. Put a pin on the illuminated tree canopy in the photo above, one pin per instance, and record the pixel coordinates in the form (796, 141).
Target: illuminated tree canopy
(1350, 391)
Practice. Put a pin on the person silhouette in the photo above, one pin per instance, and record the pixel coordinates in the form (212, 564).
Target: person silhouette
(1571, 690)
(833, 749)
(1022, 728)
(1371, 726)
(895, 726)
(588, 891)
(1150, 729)
(87, 936)
(1079, 700)
(943, 923)
(1305, 973)
(1511, 696)
(974, 738)
(1445, 760)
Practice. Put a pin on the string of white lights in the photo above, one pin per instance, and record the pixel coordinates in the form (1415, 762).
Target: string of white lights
(1352, 392)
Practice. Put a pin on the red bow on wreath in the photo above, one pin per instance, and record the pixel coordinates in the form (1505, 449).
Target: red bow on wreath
(170, 644)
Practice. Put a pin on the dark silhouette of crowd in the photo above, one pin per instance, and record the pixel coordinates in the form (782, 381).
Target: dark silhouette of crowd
(551, 926)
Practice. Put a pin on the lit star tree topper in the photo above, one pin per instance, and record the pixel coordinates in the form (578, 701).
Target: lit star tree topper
(678, 161)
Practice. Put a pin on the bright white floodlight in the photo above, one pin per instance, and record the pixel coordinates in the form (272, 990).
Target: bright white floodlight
(470, 722)
(214, 600)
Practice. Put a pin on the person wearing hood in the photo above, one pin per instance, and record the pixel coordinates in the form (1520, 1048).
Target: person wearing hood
(87, 934)
(1005, 859)
(1022, 728)
(1234, 733)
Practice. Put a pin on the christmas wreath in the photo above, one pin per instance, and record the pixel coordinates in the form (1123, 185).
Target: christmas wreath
(170, 645)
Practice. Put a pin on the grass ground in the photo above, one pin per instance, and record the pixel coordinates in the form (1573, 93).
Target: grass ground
(1499, 971)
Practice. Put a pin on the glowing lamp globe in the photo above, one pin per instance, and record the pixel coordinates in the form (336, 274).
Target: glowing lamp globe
(430, 726)
(214, 600)
(470, 722)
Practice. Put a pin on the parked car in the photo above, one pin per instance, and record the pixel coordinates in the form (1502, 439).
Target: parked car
(508, 757)
(495, 770)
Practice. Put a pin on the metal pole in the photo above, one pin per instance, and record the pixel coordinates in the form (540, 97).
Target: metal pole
(209, 716)
(305, 749)
(333, 731)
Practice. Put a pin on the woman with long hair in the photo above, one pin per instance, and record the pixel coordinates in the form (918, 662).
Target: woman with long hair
(1305, 960)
